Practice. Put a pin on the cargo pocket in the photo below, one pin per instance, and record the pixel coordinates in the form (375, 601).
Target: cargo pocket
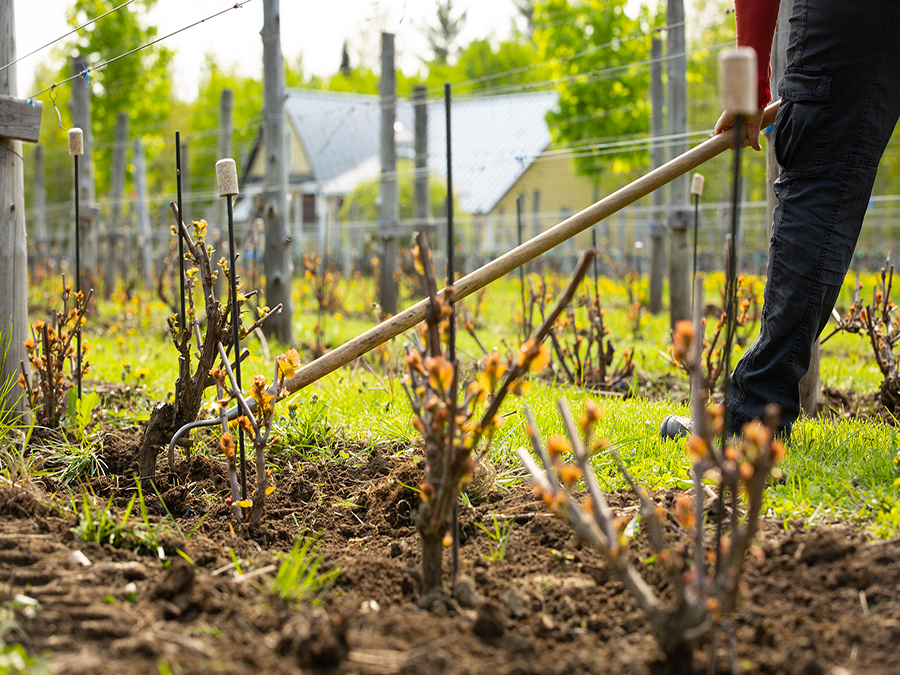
(801, 126)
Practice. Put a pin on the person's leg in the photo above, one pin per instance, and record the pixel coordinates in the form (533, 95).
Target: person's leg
(840, 102)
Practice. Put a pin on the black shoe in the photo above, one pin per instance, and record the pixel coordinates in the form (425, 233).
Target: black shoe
(676, 426)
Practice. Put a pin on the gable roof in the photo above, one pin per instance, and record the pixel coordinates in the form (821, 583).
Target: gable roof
(495, 138)
(337, 130)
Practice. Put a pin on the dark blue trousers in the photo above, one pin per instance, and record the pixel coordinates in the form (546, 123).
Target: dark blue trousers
(840, 100)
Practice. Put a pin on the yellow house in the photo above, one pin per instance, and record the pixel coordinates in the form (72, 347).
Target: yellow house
(499, 146)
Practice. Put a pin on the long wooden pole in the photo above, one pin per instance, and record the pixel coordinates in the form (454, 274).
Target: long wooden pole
(657, 159)
(679, 251)
(117, 187)
(520, 255)
(389, 211)
(277, 261)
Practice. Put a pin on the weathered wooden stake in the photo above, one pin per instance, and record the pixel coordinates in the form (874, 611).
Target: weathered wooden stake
(277, 261)
(657, 159)
(737, 81)
(18, 125)
(509, 261)
(520, 255)
(41, 232)
(422, 194)
(145, 235)
(82, 119)
(390, 193)
(219, 226)
(115, 231)
(679, 251)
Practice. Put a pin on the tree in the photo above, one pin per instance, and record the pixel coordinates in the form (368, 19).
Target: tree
(442, 37)
(482, 66)
(345, 60)
(599, 65)
(361, 202)
(525, 8)
(140, 84)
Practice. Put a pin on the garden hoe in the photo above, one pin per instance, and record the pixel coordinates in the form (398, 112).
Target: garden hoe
(474, 281)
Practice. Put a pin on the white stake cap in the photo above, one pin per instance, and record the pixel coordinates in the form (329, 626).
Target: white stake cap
(697, 184)
(76, 141)
(737, 80)
(226, 177)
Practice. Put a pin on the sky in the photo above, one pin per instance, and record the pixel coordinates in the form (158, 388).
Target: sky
(313, 29)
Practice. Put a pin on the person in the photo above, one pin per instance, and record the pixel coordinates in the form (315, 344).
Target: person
(840, 100)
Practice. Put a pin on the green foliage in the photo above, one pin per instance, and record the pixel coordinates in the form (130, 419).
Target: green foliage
(9, 417)
(140, 84)
(203, 115)
(361, 204)
(483, 67)
(443, 36)
(99, 525)
(298, 577)
(595, 101)
(70, 462)
(305, 428)
(15, 660)
(499, 534)
(80, 411)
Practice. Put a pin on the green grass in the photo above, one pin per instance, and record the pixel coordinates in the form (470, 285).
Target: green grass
(833, 468)
(298, 578)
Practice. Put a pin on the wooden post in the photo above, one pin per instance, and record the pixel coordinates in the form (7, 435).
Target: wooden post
(390, 193)
(226, 125)
(511, 260)
(277, 262)
(115, 231)
(679, 220)
(322, 225)
(81, 117)
(657, 159)
(145, 236)
(422, 201)
(13, 253)
(219, 231)
(39, 213)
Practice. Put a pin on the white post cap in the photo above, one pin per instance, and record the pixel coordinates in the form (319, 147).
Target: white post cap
(76, 141)
(697, 184)
(226, 177)
(737, 80)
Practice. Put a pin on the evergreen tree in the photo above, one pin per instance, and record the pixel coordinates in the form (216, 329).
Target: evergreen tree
(442, 37)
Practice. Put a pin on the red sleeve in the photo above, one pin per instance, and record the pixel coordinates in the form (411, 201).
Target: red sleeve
(756, 21)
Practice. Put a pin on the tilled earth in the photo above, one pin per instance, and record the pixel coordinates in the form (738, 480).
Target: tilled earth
(821, 600)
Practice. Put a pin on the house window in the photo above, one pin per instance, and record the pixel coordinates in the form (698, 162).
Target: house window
(309, 208)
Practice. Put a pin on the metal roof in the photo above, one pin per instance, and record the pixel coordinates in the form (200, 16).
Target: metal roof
(337, 130)
(495, 138)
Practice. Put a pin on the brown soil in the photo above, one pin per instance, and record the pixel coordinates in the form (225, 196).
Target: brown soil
(821, 600)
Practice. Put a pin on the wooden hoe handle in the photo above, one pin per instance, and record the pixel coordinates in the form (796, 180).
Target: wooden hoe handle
(520, 255)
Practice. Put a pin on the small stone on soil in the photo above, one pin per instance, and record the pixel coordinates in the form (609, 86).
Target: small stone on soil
(465, 591)
(316, 639)
(490, 621)
(517, 602)
(178, 580)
